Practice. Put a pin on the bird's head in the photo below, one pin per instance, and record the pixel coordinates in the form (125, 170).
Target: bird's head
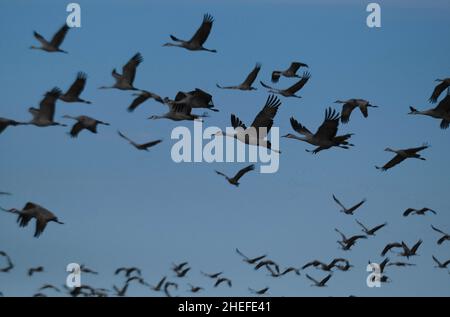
(388, 149)
(289, 136)
(32, 47)
(57, 221)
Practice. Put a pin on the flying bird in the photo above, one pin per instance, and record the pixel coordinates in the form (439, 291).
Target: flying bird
(158, 286)
(348, 211)
(257, 133)
(235, 179)
(4, 123)
(408, 252)
(441, 265)
(258, 292)
(125, 80)
(325, 137)
(140, 146)
(195, 289)
(49, 286)
(212, 275)
(141, 98)
(33, 270)
(179, 112)
(347, 243)
(55, 42)
(199, 38)
(197, 98)
(128, 271)
(421, 212)
(5, 194)
(87, 270)
(44, 116)
(221, 280)
(182, 273)
(250, 260)
(247, 83)
(290, 72)
(290, 91)
(372, 231)
(321, 283)
(441, 111)
(121, 292)
(32, 210)
(351, 104)
(167, 287)
(402, 155)
(444, 84)
(390, 246)
(445, 236)
(74, 92)
(84, 123)
(400, 264)
(179, 267)
(9, 264)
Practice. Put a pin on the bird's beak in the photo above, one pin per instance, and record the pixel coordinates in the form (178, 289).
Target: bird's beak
(285, 136)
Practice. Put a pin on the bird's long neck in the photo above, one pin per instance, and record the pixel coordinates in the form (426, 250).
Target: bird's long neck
(292, 136)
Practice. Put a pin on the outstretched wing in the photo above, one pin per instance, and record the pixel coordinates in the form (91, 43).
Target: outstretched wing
(129, 69)
(329, 127)
(265, 117)
(396, 160)
(444, 105)
(76, 129)
(295, 66)
(78, 85)
(203, 31)
(243, 171)
(40, 38)
(47, 105)
(417, 149)
(298, 127)
(338, 202)
(438, 230)
(241, 254)
(123, 136)
(299, 85)
(312, 279)
(252, 76)
(347, 109)
(266, 86)
(236, 122)
(438, 90)
(59, 36)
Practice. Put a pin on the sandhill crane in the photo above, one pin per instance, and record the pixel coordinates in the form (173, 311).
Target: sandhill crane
(324, 266)
(348, 211)
(445, 236)
(321, 283)
(372, 231)
(441, 111)
(159, 286)
(257, 133)
(87, 270)
(199, 38)
(258, 292)
(49, 286)
(140, 146)
(128, 271)
(221, 280)
(142, 97)
(408, 252)
(390, 246)
(250, 260)
(139, 279)
(121, 292)
(55, 42)
(289, 270)
(267, 264)
(125, 80)
(38, 269)
(179, 267)
(235, 179)
(344, 268)
(74, 92)
(212, 275)
(400, 264)
(382, 265)
(247, 83)
(441, 265)
(32, 210)
(325, 137)
(444, 84)
(43, 117)
(421, 212)
(290, 91)
(4, 123)
(5, 194)
(350, 104)
(290, 72)
(39, 295)
(182, 273)
(195, 289)
(179, 112)
(84, 122)
(402, 155)
(9, 264)
(167, 287)
(195, 99)
(347, 243)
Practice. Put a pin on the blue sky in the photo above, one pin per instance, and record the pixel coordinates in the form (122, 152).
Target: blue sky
(125, 207)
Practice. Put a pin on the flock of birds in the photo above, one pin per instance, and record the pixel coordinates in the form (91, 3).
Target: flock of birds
(179, 109)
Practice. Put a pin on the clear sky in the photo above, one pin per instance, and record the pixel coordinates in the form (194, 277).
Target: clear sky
(125, 207)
